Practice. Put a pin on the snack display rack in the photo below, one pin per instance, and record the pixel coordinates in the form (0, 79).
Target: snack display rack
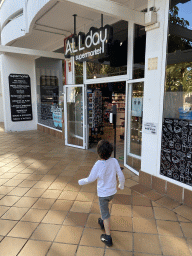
(95, 113)
(119, 100)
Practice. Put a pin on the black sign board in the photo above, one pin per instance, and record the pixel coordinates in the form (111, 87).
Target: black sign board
(176, 151)
(20, 97)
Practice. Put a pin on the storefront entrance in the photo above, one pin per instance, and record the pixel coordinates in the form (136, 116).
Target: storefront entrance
(87, 110)
(100, 99)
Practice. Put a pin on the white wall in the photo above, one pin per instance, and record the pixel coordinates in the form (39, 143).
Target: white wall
(33, 8)
(13, 30)
(9, 9)
(1, 102)
(154, 89)
(18, 64)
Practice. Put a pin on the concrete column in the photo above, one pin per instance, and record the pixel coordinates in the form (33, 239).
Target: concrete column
(156, 43)
(1, 102)
(18, 64)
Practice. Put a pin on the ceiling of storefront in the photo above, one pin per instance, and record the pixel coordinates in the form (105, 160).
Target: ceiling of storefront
(57, 22)
(174, 2)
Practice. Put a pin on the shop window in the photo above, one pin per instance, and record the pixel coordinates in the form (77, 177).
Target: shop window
(78, 73)
(115, 63)
(49, 92)
(178, 85)
(176, 156)
(139, 52)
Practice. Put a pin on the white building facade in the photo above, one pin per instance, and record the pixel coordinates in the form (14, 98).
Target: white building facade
(41, 86)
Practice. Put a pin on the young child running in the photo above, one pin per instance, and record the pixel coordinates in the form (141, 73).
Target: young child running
(105, 172)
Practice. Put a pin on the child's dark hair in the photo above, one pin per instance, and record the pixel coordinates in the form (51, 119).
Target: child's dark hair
(104, 149)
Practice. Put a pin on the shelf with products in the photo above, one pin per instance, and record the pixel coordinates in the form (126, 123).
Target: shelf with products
(119, 100)
(136, 129)
(95, 111)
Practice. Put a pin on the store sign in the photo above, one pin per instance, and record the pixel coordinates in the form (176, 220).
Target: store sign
(90, 46)
(20, 97)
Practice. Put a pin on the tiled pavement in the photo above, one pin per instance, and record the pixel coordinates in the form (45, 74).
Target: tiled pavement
(43, 210)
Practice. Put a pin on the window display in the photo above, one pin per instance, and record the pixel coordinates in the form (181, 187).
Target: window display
(177, 150)
(177, 113)
(49, 92)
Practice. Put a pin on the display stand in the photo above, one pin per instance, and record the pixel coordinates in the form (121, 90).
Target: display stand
(95, 114)
(119, 100)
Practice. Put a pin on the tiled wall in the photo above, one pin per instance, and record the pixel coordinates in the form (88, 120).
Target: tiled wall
(164, 187)
(52, 132)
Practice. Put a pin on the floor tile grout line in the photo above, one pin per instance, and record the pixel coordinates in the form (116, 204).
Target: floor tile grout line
(35, 230)
(165, 206)
(185, 237)
(28, 211)
(83, 230)
(133, 245)
(59, 229)
(157, 230)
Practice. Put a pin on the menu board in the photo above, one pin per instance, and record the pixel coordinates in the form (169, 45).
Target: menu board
(20, 97)
(176, 151)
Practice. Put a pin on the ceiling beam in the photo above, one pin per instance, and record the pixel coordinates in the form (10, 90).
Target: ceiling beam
(113, 9)
(31, 52)
(177, 30)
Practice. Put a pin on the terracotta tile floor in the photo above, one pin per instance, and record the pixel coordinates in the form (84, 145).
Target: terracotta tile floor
(44, 212)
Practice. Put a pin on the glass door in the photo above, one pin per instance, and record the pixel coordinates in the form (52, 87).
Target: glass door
(134, 117)
(74, 116)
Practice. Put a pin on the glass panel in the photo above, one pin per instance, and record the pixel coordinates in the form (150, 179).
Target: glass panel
(178, 86)
(97, 70)
(134, 131)
(139, 52)
(176, 131)
(116, 63)
(74, 115)
(78, 73)
(49, 74)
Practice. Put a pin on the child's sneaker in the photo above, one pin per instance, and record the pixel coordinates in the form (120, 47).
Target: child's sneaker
(106, 240)
(100, 222)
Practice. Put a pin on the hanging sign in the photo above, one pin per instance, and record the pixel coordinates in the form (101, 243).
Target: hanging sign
(20, 97)
(93, 45)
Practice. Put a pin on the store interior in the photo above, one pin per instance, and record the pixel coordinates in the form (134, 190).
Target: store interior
(101, 98)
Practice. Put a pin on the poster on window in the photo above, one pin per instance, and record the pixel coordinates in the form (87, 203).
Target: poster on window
(20, 97)
(49, 89)
(176, 150)
(137, 106)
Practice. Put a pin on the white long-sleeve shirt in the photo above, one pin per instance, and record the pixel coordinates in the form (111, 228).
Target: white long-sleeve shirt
(105, 171)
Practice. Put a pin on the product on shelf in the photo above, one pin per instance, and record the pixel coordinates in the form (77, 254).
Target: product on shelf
(95, 111)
